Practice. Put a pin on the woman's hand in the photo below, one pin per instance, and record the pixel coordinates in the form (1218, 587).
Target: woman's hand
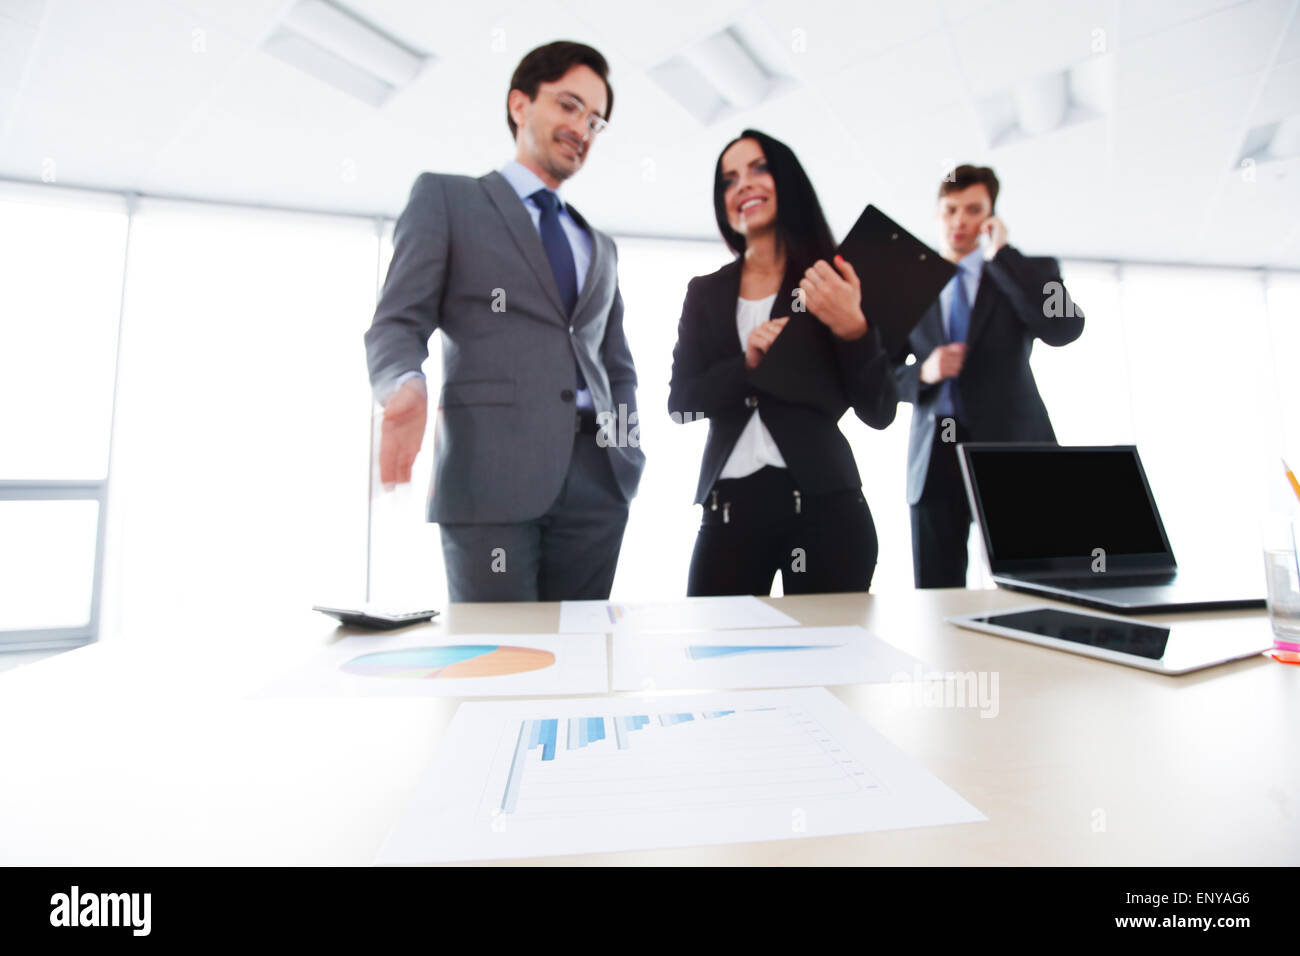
(835, 297)
(761, 339)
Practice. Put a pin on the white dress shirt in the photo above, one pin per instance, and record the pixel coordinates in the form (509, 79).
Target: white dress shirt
(755, 447)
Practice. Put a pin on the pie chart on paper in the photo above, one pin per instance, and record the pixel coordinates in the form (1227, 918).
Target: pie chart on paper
(450, 661)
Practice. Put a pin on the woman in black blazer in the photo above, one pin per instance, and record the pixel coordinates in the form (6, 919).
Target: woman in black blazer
(779, 485)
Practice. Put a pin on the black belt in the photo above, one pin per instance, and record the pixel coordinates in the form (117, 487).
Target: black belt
(585, 421)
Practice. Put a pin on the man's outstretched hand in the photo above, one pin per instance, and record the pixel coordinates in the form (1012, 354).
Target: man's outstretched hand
(405, 416)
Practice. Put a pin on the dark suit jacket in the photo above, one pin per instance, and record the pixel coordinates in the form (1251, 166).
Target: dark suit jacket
(1016, 303)
(710, 380)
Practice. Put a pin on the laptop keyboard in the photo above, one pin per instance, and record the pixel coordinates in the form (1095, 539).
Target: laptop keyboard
(1107, 581)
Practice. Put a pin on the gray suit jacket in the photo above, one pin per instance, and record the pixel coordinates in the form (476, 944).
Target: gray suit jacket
(998, 390)
(468, 260)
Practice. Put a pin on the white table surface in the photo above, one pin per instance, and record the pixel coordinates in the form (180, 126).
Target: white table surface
(147, 750)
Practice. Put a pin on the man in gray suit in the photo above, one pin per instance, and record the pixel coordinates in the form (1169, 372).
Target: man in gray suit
(530, 496)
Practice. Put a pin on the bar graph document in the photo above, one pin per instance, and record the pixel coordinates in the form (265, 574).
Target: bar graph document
(545, 778)
(771, 657)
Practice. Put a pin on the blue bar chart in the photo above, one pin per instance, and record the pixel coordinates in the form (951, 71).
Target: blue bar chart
(698, 652)
(753, 658)
(543, 777)
(673, 758)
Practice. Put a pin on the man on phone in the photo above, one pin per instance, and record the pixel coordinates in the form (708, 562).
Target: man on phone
(530, 495)
(965, 368)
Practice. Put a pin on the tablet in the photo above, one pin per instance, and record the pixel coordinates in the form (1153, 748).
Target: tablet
(1168, 649)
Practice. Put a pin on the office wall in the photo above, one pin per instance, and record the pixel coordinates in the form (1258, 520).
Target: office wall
(1194, 366)
(61, 256)
(239, 474)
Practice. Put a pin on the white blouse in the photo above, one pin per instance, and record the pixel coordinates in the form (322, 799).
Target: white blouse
(755, 447)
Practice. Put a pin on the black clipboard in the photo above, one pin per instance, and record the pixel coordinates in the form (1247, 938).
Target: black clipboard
(901, 277)
(800, 366)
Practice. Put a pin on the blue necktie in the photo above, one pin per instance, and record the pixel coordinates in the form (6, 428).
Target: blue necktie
(958, 326)
(560, 254)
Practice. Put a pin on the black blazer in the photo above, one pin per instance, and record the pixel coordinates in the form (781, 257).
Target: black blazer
(1019, 299)
(710, 380)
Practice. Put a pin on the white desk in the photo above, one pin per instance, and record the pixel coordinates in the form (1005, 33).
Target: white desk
(145, 751)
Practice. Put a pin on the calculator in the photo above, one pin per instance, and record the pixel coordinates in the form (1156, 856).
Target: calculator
(375, 619)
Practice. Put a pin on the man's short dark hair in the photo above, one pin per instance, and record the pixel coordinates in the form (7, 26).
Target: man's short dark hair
(965, 176)
(548, 63)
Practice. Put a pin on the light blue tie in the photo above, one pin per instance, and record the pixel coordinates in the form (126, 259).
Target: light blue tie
(958, 326)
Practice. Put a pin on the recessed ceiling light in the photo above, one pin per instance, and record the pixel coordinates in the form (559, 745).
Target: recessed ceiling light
(1045, 103)
(1272, 141)
(734, 69)
(339, 48)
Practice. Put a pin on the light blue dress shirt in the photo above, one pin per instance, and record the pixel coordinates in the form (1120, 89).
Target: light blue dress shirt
(525, 182)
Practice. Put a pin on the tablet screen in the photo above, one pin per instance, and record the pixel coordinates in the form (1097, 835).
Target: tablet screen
(1140, 640)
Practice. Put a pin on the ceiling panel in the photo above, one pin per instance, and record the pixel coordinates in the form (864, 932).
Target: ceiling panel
(249, 20)
(24, 11)
(1289, 49)
(175, 97)
(445, 29)
(1240, 39)
(883, 92)
(1137, 20)
(16, 41)
(1155, 140)
(827, 36)
(651, 34)
(1261, 206)
(104, 92)
(1012, 42)
(1280, 96)
(1072, 209)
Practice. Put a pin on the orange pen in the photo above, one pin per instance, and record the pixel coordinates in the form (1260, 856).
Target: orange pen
(1295, 485)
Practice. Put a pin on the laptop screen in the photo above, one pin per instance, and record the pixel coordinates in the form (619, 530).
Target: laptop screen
(1046, 507)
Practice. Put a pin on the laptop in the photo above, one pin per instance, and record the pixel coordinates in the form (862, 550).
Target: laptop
(1079, 524)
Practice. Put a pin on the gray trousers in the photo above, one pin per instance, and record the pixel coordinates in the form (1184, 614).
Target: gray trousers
(568, 554)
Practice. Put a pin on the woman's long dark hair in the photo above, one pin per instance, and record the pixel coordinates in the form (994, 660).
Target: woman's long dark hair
(801, 228)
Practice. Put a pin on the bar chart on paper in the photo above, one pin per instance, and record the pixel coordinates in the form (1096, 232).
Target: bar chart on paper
(752, 658)
(541, 778)
(682, 759)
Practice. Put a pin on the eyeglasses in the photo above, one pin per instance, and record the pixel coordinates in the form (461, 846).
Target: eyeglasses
(573, 106)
